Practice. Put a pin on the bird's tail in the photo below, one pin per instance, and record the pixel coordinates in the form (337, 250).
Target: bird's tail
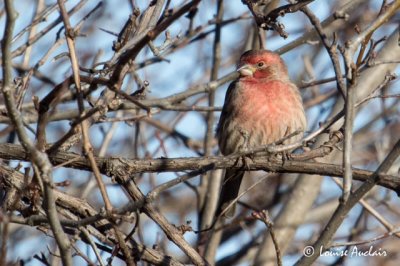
(230, 190)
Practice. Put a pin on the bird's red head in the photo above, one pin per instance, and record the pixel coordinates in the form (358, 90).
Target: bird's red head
(261, 64)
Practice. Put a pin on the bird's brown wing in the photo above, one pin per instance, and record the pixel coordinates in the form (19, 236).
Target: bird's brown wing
(227, 109)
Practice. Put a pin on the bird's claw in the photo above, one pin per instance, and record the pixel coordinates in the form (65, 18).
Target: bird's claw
(245, 161)
(283, 156)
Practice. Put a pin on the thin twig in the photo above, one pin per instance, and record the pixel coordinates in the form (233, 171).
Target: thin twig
(264, 217)
(40, 160)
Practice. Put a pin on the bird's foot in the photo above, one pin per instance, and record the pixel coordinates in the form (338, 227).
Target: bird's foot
(282, 156)
(244, 161)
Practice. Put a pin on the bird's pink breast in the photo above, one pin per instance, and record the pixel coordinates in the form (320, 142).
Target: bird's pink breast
(263, 101)
(269, 110)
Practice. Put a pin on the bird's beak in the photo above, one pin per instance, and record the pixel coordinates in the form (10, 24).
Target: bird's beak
(246, 70)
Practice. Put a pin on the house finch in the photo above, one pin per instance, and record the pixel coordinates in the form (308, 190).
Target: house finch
(261, 107)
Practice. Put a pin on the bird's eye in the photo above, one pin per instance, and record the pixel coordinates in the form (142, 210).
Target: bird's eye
(260, 64)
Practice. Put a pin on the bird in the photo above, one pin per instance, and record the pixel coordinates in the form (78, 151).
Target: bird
(261, 107)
